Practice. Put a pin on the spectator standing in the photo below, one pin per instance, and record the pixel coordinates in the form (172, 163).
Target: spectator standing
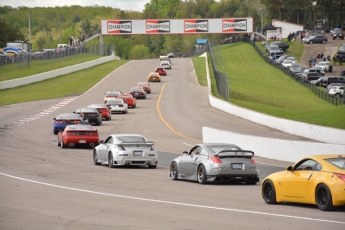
(334, 60)
(330, 69)
(310, 61)
(328, 57)
(321, 56)
(314, 61)
(318, 56)
(289, 38)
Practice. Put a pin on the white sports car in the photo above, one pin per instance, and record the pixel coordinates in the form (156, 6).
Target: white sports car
(126, 149)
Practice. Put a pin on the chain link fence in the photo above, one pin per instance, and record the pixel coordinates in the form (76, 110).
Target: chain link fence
(24, 60)
(222, 80)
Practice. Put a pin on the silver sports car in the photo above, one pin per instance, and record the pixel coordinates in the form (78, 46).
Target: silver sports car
(215, 161)
(125, 149)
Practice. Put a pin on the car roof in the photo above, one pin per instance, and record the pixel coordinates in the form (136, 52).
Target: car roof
(88, 110)
(125, 95)
(114, 100)
(154, 74)
(97, 106)
(82, 127)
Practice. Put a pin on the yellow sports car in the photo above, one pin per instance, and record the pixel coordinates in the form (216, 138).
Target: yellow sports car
(316, 180)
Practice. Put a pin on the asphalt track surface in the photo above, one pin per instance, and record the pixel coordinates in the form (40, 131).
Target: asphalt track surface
(46, 187)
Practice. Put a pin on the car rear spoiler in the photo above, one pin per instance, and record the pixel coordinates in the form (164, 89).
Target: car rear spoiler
(235, 153)
(140, 143)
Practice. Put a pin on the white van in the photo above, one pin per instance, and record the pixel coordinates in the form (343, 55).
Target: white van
(62, 47)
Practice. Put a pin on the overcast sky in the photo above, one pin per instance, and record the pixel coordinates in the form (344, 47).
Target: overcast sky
(135, 5)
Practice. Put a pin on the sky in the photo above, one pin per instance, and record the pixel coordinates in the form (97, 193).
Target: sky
(134, 5)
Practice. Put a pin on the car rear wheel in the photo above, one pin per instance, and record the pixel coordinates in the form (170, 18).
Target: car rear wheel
(95, 159)
(55, 131)
(323, 41)
(269, 192)
(110, 161)
(202, 177)
(152, 166)
(324, 198)
(134, 106)
(173, 171)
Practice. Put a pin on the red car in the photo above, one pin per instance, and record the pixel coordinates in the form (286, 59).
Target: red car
(145, 85)
(161, 70)
(127, 97)
(78, 135)
(111, 94)
(102, 109)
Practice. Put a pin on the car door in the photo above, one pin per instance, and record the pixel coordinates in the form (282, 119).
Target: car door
(294, 185)
(188, 161)
(104, 148)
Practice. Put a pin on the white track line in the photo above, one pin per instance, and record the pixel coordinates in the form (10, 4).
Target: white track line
(175, 203)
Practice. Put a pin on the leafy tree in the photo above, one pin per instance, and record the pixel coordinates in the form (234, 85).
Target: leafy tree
(86, 26)
(41, 43)
(9, 33)
(139, 52)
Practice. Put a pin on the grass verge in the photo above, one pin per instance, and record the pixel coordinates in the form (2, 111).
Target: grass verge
(10, 72)
(70, 84)
(258, 86)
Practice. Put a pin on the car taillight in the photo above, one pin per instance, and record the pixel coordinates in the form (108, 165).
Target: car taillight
(93, 133)
(341, 176)
(76, 122)
(71, 133)
(252, 161)
(58, 121)
(121, 148)
(215, 159)
(120, 105)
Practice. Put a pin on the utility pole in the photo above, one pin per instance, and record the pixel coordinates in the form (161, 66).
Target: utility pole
(29, 26)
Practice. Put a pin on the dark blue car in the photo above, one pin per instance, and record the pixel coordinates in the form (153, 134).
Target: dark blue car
(62, 120)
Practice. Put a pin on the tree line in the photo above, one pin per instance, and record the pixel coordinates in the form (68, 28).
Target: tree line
(53, 25)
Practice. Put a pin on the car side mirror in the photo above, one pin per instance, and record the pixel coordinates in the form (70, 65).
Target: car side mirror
(185, 152)
(101, 142)
(289, 168)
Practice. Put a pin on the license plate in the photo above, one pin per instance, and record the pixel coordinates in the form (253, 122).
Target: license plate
(136, 93)
(236, 166)
(138, 153)
(82, 141)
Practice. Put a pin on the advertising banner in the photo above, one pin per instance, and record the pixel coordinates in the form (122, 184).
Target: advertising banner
(177, 26)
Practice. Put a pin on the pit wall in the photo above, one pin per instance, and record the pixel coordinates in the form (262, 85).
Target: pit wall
(333, 139)
(55, 73)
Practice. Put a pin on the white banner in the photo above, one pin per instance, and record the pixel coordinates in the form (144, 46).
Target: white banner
(177, 26)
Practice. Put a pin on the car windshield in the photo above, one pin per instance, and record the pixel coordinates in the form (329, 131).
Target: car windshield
(141, 84)
(154, 74)
(218, 148)
(113, 93)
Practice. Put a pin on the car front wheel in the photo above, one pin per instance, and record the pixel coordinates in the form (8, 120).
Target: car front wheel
(323, 198)
(173, 171)
(95, 159)
(311, 42)
(110, 161)
(269, 192)
(202, 177)
(323, 41)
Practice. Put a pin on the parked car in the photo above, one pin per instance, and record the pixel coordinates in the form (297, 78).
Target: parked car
(324, 65)
(111, 94)
(129, 99)
(325, 81)
(282, 45)
(337, 33)
(103, 110)
(316, 38)
(312, 70)
(280, 59)
(137, 92)
(340, 56)
(62, 120)
(301, 33)
(171, 55)
(154, 77)
(299, 69)
(90, 114)
(160, 70)
(62, 47)
(311, 76)
(337, 91)
(215, 162)
(117, 105)
(315, 82)
(323, 179)
(342, 48)
(75, 135)
(145, 85)
(126, 149)
(287, 63)
(295, 66)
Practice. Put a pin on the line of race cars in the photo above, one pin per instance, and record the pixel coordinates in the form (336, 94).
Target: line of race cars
(318, 180)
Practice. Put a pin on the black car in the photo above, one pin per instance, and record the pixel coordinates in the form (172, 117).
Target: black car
(138, 92)
(325, 81)
(90, 114)
(337, 33)
(311, 76)
(282, 45)
(340, 55)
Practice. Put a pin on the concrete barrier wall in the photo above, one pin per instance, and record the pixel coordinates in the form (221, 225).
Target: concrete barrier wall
(277, 149)
(310, 131)
(54, 73)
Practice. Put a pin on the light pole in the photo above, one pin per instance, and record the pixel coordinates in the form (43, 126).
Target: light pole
(262, 27)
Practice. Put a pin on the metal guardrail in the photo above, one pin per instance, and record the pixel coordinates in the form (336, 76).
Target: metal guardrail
(223, 85)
